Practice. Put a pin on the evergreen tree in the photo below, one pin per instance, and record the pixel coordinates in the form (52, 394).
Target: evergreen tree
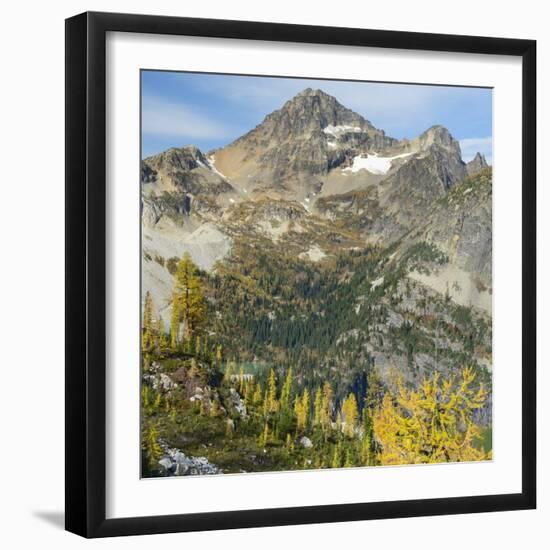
(266, 404)
(188, 303)
(198, 347)
(305, 407)
(148, 326)
(375, 390)
(286, 392)
(264, 436)
(151, 446)
(432, 424)
(336, 457)
(257, 395)
(174, 324)
(145, 397)
(248, 393)
(318, 407)
(162, 341)
(367, 447)
(272, 404)
(327, 406)
(348, 463)
(156, 403)
(241, 379)
(301, 409)
(350, 415)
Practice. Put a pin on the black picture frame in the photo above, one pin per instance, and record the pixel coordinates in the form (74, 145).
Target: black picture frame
(86, 274)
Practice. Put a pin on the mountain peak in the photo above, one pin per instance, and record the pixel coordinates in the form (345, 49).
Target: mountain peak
(439, 136)
(300, 142)
(176, 160)
(478, 163)
(437, 132)
(313, 110)
(480, 157)
(310, 92)
(310, 96)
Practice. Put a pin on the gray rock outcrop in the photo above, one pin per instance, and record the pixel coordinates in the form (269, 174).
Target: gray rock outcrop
(477, 164)
(176, 463)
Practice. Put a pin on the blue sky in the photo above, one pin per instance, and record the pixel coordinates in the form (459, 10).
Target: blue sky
(210, 111)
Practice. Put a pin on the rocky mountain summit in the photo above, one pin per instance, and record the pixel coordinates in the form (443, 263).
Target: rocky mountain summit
(314, 177)
(296, 146)
(477, 164)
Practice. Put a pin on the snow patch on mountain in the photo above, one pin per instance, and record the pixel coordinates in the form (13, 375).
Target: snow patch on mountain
(342, 129)
(373, 163)
(211, 164)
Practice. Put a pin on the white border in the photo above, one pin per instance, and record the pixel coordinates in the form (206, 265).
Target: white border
(127, 495)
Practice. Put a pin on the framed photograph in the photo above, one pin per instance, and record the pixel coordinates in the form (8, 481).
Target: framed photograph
(300, 274)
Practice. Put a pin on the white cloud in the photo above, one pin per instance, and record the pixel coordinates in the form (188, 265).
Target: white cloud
(162, 118)
(470, 146)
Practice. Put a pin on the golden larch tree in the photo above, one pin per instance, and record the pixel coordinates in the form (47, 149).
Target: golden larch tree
(148, 328)
(317, 407)
(301, 409)
(434, 423)
(286, 392)
(327, 406)
(350, 415)
(272, 403)
(188, 302)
